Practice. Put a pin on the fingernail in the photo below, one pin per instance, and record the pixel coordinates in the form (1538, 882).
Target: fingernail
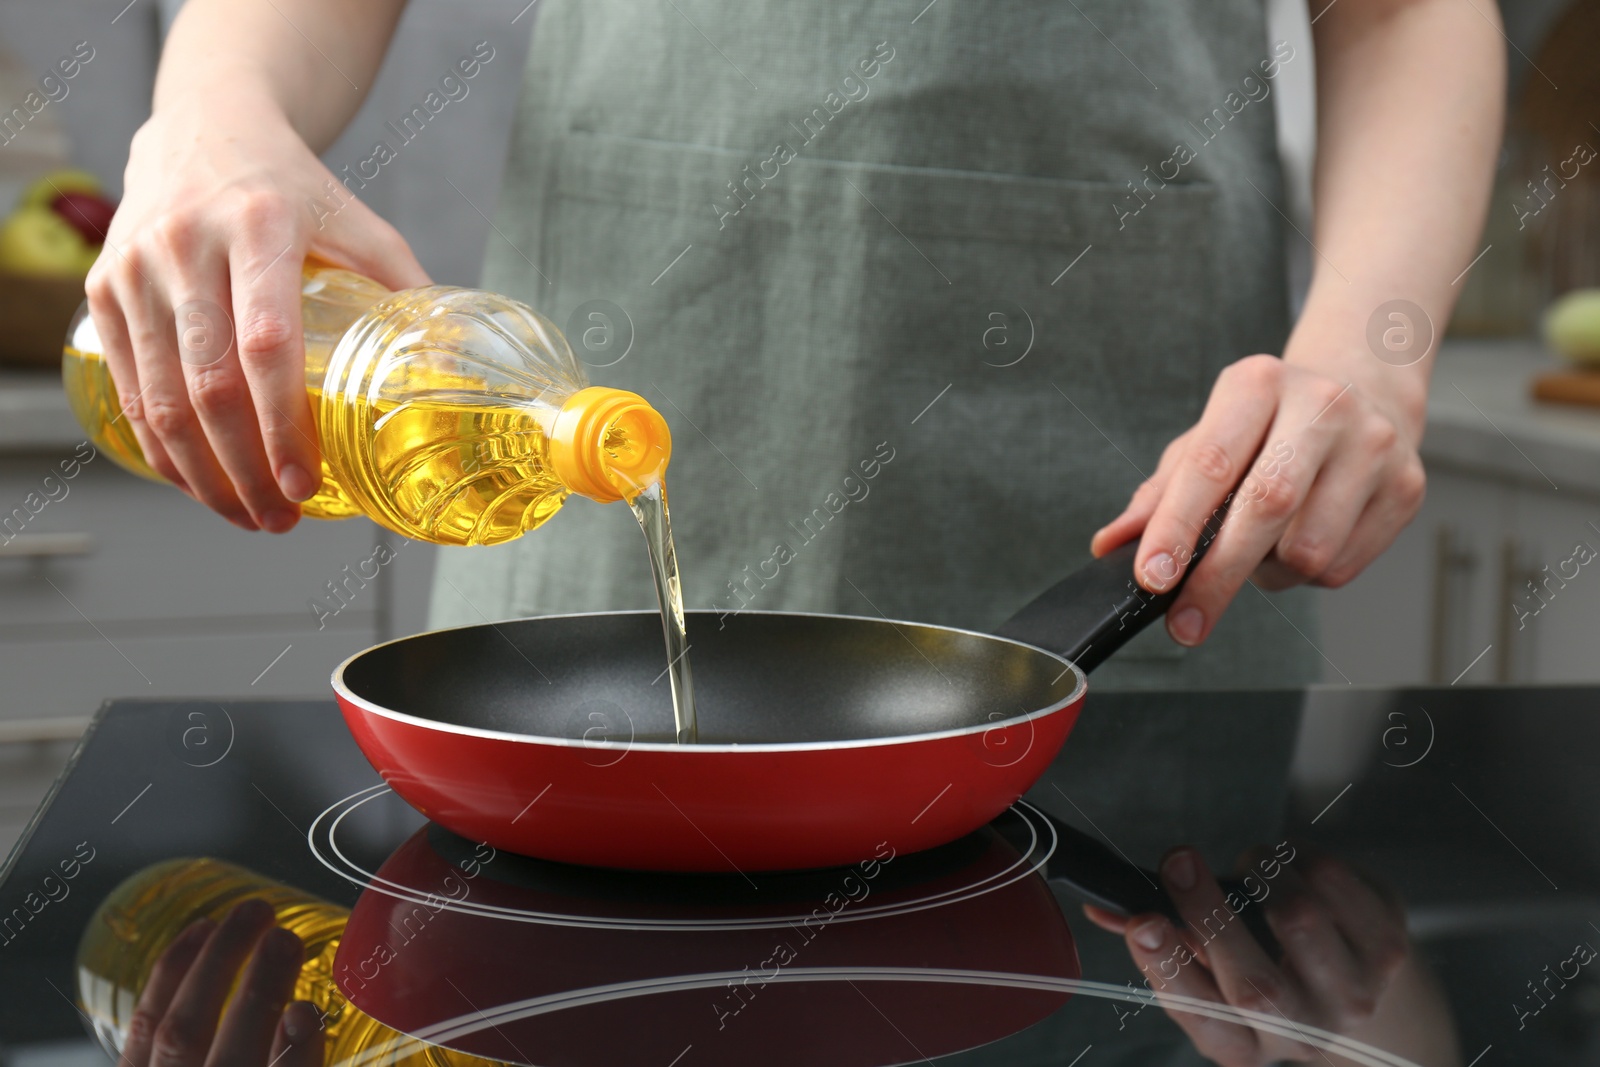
(299, 1022)
(1150, 934)
(1186, 625)
(1159, 571)
(280, 521)
(1179, 869)
(296, 483)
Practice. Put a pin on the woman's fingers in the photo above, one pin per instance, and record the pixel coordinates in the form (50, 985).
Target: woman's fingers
(208, 356)
(1343, 942)
(175, 1023)
(1373, 924)
(101, 290)
(1269, 498)
(1324, 483)
(254, 1015)
(1221, 446)
(1171, 968)
(265, 267)
(1243, 973)
(1318, 955)
(1106, 920)
(184, 1036)
(298, 1039)
(1136, 516)
(165, 978)
(359, 239)
(1396, 503)
(167, 409)
(1319, 531)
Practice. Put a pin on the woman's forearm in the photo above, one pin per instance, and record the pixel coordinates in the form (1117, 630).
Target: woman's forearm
(312, 59)
(1410, 107)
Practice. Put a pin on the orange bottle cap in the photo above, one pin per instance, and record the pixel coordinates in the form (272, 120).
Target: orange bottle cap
(609, 444)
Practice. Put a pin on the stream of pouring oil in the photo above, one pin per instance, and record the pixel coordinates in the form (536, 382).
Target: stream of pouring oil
(650, 508)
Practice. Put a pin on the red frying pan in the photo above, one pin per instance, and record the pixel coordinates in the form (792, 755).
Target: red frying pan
(822, 737)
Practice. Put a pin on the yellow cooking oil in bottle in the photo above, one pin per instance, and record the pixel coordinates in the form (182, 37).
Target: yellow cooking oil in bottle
(147, 912)
(448, 415)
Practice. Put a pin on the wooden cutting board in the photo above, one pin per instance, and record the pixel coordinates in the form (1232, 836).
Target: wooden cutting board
(1569, 387)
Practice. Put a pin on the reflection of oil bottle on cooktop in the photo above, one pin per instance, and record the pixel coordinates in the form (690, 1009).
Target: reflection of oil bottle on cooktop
(144, 914)
(454, 416)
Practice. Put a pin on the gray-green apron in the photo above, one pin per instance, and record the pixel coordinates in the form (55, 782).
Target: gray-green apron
(923, 289)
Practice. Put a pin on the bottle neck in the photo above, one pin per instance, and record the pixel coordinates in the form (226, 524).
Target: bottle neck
(609, 444)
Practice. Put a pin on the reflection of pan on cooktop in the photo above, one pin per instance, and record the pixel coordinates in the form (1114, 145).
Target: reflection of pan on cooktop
(1067, 857)
(600, 890)
(534, 962)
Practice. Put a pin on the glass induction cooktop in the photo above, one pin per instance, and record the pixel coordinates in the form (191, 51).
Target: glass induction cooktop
(1414, 877)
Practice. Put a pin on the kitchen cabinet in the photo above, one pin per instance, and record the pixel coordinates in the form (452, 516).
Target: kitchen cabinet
(1496, 580)
(121, 587)
(115, 548)
(1550, 621)
(111, 585)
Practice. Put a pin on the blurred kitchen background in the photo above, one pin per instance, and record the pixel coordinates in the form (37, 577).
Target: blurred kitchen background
(191, 606)
(125, 588)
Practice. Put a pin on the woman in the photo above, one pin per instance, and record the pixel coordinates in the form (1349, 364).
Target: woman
(924, 294)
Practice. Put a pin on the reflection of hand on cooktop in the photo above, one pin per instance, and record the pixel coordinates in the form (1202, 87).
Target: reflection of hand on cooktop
(179, 1020)
(1346, 963)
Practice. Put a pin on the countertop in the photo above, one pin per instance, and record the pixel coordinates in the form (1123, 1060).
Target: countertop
(34, 415)
(1481, 417)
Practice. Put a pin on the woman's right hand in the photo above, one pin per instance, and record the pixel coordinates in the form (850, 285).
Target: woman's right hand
(197, 298)
(243, 962)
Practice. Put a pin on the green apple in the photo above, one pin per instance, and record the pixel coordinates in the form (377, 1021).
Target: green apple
(44, 191)
(1572, 326)
(38, 242)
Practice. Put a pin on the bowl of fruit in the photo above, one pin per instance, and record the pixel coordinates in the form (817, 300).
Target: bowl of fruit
(47, 245)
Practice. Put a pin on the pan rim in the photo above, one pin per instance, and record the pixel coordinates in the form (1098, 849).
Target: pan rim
(346, 694)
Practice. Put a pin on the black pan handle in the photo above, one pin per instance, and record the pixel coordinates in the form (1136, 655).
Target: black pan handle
(1086, 617)
(1095, 875)
(1099, 607)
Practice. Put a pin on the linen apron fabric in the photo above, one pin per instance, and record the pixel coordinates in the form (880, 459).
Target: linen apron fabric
(917, 334)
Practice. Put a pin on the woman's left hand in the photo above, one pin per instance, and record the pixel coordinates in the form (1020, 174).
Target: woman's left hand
(1326, 477)
(1347, 966)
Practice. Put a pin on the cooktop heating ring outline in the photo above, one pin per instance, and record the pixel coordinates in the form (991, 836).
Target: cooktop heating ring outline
(322, 839)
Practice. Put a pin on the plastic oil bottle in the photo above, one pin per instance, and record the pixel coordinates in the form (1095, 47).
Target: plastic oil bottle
(147, 912)
(448, 415)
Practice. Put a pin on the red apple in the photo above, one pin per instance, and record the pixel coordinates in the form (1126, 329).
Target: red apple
(88, 213)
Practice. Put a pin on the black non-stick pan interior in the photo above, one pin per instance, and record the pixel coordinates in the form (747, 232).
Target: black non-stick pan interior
(758, 677)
